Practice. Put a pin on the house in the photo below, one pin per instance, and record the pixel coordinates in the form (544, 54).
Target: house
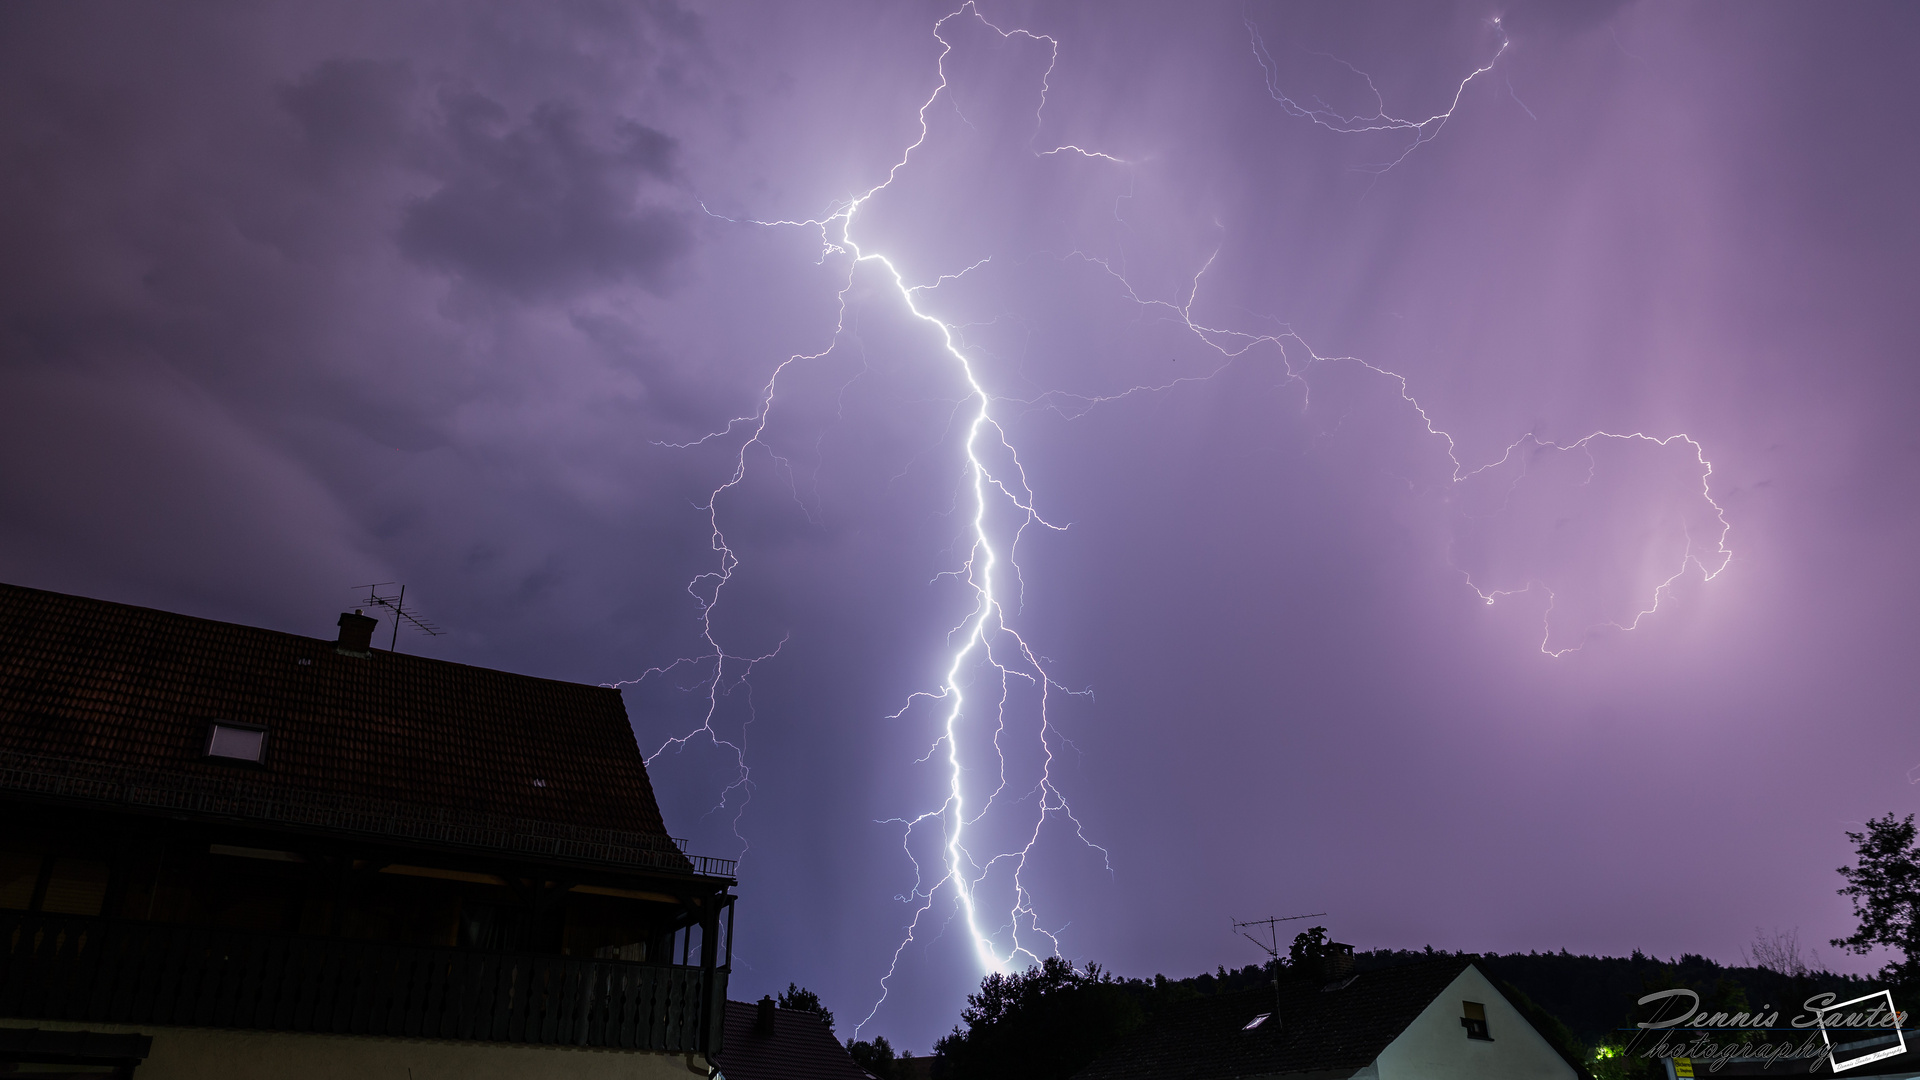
(768, 1043)
(1430, 1020)
(227, 851)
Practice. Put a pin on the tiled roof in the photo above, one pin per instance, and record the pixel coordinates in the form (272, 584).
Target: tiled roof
(1329, 1031)
(110, 683)
(799, 1047)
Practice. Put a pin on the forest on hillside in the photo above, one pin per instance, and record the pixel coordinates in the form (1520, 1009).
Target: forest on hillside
(1050, 1021)
(1053, 1019)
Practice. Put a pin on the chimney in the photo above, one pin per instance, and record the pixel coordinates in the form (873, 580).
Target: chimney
(356, 634)
(1339, 960)
(763, 1023)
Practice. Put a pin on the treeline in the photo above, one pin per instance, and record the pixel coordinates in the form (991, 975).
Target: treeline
(1052, 1020)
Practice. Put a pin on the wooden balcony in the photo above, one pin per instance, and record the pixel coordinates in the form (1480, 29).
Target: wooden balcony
(97, 970)
(248, 799)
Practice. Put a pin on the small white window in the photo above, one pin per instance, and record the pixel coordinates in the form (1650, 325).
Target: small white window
(1257, 1021)
(233, 741)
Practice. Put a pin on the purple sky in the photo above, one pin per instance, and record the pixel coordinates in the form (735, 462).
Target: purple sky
(294, 298)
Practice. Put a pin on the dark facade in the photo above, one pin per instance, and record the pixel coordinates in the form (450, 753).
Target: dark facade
(210, 825)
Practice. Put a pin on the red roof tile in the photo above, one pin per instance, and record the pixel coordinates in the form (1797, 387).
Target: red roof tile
(98, 681)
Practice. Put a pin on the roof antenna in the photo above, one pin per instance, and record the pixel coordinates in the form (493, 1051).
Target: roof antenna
(396, 603)
(1271, 946)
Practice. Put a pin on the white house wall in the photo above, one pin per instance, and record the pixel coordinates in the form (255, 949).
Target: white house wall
(1435, 1046)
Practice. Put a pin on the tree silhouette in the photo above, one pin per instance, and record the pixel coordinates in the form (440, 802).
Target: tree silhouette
(805, 1000)
(1885, 890)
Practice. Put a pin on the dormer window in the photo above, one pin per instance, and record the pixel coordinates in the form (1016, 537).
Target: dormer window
(236, 742)
(1257, 1021)
(1474, 1019)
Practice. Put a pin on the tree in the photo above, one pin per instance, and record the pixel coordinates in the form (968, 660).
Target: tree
(1044, 1024)
(1309, 948)
(805, 1000)
(1308, 954)
(1885, 890)
(1311, 954)
(876, 1057)
(1779, 952)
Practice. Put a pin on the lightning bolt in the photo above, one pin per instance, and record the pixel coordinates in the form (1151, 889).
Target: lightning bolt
(1231, 345)
(987, 646)
(994, 477)
(1421, 131)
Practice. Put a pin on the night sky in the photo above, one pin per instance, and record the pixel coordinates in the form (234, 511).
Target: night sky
(1280, 376)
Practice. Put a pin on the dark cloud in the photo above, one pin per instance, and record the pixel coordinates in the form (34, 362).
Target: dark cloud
(202, 275)
(352, 110)
(294, 298)
(539, 207)
(1529, 17)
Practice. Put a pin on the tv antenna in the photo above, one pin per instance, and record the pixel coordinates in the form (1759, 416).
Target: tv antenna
(1271, 946)
(396, 603)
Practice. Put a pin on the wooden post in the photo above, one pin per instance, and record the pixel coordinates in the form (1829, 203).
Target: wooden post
(715, 1026)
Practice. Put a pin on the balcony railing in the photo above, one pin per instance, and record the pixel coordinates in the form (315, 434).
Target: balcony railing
(59, 967)
(245, 797)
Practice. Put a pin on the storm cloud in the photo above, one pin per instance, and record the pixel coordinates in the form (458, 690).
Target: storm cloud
(476, 297)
